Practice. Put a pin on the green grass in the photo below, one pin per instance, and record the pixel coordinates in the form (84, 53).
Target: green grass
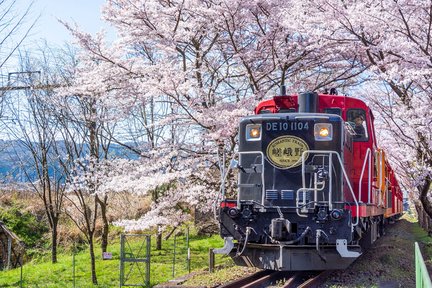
(424, 240)
(420, 234)
(45, 274)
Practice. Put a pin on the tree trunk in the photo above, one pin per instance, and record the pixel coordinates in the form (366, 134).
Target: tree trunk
(159, 239)
(422, 219)
(54, 242)
(429, 230)
(93, 261)
(424, 190)
(105, 227)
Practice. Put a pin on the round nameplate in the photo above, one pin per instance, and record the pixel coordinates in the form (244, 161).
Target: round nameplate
(285, 152)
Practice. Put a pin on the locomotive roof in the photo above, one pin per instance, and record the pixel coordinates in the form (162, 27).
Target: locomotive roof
(325, 101)
(292, 116)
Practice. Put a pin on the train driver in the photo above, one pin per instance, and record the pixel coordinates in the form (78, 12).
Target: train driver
(359, 128)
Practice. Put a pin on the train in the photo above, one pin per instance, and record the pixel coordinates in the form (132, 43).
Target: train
(314, 189)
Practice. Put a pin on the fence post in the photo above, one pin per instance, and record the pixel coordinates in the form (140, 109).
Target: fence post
(148, 252)
(174, 256)
(21, 273)
(9, 252)
(211, 260)
(188, 260)
(122, 236)
(73, 266)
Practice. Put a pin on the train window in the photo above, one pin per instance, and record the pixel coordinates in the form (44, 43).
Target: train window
(336, 111)
(357, 119)
(290, 110)
(265, 112)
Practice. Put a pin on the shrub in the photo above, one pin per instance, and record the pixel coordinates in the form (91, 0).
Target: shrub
(24, 224)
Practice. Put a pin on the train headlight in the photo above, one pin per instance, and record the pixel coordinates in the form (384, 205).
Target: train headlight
(253, 132)
(323, 131)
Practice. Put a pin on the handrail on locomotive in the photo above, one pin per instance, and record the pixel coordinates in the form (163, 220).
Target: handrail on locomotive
(301, 205)
(367, 159)
(315, 189)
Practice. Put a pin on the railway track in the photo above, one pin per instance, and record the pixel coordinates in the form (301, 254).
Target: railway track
(283, 279)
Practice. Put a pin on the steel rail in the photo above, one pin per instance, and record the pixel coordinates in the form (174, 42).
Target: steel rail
(288, 279)
(313, 279)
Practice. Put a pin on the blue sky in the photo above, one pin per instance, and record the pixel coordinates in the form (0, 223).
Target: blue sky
(86, 13)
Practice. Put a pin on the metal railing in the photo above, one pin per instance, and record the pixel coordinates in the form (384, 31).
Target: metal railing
(303, 190)
(367, 160)
(422, 275)
(329, 153)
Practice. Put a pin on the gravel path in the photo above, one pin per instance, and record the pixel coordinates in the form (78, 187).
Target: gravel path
(389, 263)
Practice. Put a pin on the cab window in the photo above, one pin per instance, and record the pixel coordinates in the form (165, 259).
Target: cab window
(289, 110)
(336, 111)
(357, 120)
(265, 111)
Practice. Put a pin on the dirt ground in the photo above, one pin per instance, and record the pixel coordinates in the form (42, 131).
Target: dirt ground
(389, 263)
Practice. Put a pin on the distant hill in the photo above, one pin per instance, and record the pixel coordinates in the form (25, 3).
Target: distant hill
(15, 159)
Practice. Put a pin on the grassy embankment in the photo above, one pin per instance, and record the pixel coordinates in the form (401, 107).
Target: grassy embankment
(425, 242)
(45, 274)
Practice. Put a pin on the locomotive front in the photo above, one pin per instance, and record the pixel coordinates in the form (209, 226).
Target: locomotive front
(293, 208)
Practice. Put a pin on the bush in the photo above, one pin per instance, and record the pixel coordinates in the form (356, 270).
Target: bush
(25, 225)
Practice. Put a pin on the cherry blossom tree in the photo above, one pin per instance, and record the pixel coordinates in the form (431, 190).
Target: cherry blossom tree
(392, 39)
(205, 63)
(86, 134)
(209, 62)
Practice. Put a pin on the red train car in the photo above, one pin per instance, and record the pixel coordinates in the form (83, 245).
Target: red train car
(314, 188)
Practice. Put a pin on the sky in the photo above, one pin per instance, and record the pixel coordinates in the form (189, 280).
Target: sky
(86, 13)
(45, 13)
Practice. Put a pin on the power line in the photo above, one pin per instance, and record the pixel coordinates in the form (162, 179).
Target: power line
(32, 87)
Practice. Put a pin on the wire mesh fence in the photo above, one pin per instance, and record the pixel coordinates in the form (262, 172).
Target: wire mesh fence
(135, 263)
(178, 255)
